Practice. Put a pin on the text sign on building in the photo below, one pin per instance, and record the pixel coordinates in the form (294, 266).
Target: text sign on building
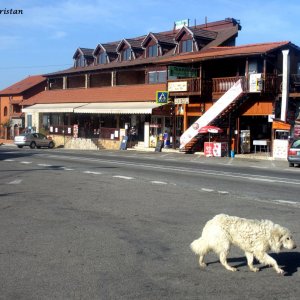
(182, 100)
(162, 97)
(182, 72)
(178, 86)
(255, 83)
(181, 23)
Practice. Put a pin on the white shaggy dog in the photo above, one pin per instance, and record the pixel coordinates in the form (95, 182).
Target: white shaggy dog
(252, 236)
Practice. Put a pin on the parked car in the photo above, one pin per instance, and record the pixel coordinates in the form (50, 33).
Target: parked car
(294, 153)
(33, 140)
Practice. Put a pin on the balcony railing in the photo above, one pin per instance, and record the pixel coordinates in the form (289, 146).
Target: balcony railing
(270, 84)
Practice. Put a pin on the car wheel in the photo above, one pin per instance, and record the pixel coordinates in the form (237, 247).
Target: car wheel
(291, 164)
(32, 145)
(19, 146)
(51, 145)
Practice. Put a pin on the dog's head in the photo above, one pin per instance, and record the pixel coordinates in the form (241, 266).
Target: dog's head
(288, 242)
(282, 238)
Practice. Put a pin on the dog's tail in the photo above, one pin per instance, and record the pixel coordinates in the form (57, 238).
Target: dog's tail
(197, 246)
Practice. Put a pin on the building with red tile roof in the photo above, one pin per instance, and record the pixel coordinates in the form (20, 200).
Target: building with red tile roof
(11, 115)
(191, 70)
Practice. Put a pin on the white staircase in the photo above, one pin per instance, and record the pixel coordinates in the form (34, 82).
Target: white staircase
(229, 97)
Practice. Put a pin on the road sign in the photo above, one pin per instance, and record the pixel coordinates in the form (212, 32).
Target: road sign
(162, 97)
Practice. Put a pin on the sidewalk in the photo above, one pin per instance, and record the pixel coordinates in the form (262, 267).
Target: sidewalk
(257, 155)
(250, 156)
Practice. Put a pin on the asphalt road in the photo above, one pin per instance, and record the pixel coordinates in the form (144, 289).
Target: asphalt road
(118, 224)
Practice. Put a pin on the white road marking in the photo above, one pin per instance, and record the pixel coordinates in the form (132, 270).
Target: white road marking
(26, 162)
(158, 182)
(261, 179)
(92, 172)
(286, 202)
(17, 181)
(192, 171)
(44, 165)
(223, 192)
(207, 190)
(123, 177)
(258, 167)
(9, 160)
(66, 169)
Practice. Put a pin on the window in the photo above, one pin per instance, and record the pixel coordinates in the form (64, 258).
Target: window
(80, 61)
(187, 46)
(102, 58)
(5, 111)
(153, 51)
(126, 55)
(157, 76)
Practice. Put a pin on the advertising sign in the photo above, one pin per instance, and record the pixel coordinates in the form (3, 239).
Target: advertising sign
(75, 131)
(255, 83)
(178, 86)
(183, 72)
(182, 100)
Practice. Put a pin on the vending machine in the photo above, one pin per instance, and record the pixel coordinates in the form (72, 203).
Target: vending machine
(245, 142)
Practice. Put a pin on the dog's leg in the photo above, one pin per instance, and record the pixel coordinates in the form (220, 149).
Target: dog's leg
(266, 259)
(201, 262)
(223, 260)
(250, 259)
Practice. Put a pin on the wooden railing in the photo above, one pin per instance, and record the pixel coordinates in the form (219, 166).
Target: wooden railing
(271, 84)
(223, 84)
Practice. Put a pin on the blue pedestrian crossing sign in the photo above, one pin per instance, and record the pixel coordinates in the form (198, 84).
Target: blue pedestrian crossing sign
(162, 97)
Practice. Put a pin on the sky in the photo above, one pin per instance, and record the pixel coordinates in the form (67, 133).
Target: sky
(44, 38)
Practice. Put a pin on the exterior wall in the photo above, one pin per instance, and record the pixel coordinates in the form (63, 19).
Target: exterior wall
(4, 103)
(259, 108)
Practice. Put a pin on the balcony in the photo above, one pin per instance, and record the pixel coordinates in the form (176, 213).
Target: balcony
(218, 86)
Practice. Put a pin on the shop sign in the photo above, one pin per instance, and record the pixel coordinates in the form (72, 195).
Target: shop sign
(182, 100)
(182, 72)
(178, 86)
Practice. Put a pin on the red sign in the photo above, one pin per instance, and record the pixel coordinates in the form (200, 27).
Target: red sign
(75, 131)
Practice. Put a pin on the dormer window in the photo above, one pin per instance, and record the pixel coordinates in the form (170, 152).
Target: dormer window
(126, 54)
(186, 46)
(80, 61)
(153, 51)
(102, 58)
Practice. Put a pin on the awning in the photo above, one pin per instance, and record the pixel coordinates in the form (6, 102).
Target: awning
(117, 108)
(52, 108)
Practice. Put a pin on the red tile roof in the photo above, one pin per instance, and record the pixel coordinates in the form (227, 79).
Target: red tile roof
(23, 85)
(221, 52)
(132, 93)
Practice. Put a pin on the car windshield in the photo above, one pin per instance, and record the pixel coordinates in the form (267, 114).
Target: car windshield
(296, 144)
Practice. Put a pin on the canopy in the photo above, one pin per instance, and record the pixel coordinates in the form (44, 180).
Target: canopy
(52, 108)
(117, 108)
